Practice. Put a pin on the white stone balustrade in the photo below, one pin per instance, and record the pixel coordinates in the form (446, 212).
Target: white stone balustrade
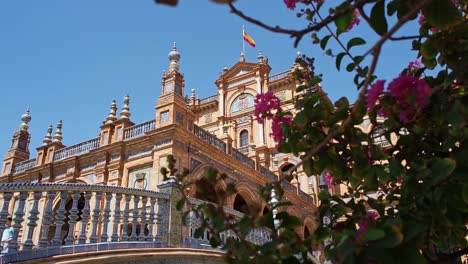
(55, 219)
(139, 130)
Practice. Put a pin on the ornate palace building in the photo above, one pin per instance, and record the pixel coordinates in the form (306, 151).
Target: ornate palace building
(105, 199)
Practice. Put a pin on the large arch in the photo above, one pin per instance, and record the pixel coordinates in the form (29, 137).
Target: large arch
(197, 176)
(248, 194)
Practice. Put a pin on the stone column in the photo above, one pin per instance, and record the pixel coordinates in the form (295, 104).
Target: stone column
(174, 233)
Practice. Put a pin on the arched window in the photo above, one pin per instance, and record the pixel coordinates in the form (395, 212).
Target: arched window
(240, 204)
(284, 169)
(244, 138)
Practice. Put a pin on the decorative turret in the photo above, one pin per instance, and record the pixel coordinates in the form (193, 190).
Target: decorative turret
(125, 113)
(58, 132)
(115, 132)
(242, 57)
(48, 137)
(172, 107)
(112, 114)
(26, 118)
(174, 57)
(19, 149)
(260, 57)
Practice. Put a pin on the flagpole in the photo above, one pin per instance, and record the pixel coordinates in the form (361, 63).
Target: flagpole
(243, 41)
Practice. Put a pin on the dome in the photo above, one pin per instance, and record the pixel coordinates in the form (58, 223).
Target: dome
(174, 55)
(26, 117)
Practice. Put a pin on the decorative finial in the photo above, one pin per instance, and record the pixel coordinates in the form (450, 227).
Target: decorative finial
(112, 113)
(58, 132)
(225, 69)
(125, 113)
(48, 137)
(26, 118)
(242, 57)
(260, 57)
(192, 96)
(174, 57)
(298, 54)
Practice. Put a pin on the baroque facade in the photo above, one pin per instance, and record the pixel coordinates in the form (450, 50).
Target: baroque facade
(110, 188)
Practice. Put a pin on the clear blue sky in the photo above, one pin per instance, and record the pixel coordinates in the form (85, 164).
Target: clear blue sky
(69, 59)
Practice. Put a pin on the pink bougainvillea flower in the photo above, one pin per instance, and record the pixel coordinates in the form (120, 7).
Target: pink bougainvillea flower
(374, 92)
(372, 214)
(410, 93)
(370, 160)
(291, 4)
(363, 224)
(329, 179)
(276, 127)
(422, 19)
(264, 104)
(355, 20)
(414, 66)
(362, 227)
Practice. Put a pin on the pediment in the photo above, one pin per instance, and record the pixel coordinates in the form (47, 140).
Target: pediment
(239, 69)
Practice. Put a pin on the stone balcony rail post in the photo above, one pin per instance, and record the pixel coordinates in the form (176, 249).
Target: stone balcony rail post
(73, 218)
(17, 222)
(4, 213)
(28, 244)
(174, 221)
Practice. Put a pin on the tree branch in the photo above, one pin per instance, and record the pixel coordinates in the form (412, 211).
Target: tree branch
(298, 34)
(375, 50)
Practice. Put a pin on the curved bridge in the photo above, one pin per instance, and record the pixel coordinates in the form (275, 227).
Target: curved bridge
(72, 223)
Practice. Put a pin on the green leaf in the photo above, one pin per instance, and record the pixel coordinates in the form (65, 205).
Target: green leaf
(392, 7)
(180, 204)
(441, 13)
(355, 42)
(342, 23)
(373, 234)
(324, 41)
(377, 18)
(442, 168)
(350, 66)
(465, 193)
(428, 50)
(339, 58)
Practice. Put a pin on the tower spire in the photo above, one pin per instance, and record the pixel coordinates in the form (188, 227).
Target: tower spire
(174, 57)
(48, 137)
(58, 132)
(112, 113)
(26, 118)
(125, 113)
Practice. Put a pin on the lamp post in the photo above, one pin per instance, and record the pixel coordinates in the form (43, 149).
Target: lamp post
(273, 203)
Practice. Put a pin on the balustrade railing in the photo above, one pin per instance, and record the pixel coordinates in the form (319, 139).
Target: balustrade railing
(77, 149)
(269, 174)
(257, 236)
(24, 165)
(76, 215)
(139, 130)
(243, 158)
(211, 139)
(209, 99)
(288, 186)
(278, 76)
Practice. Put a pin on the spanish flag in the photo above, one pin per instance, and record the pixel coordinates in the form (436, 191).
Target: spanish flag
(248, 38)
